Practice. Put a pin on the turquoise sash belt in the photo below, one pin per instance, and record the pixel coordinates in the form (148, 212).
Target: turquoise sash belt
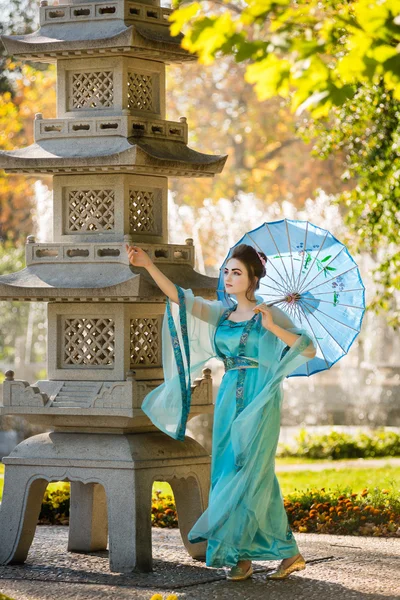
(239, 362)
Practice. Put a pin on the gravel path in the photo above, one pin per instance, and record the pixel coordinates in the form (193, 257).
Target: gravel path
(338, 567)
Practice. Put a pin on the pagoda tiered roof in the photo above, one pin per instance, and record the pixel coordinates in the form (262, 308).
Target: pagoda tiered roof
(78, 29)
(105, 282)
(113, 154)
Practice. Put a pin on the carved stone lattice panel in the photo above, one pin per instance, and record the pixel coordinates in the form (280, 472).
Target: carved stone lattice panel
(105, 207)
(141, 211)
(91, 89)
(140, 92)
(89, 342)
(145, 347)
(90, 210)
(118, 86)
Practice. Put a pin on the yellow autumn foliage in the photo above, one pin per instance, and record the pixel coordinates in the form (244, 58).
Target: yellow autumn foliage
(34, 92)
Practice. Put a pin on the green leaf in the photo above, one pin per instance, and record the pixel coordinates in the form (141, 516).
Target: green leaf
(393, 64)
(247, 49)
(383, 53)
(270, 76)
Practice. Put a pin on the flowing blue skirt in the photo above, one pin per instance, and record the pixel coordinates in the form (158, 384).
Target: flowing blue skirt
(258, 524)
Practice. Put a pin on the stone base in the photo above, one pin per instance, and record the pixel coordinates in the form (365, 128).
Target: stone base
(111, 483)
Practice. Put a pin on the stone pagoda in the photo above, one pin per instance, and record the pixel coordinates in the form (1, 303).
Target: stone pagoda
(110, 151)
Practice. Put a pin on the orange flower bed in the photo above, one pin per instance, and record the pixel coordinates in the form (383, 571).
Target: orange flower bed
(371, 512)
(163, 511)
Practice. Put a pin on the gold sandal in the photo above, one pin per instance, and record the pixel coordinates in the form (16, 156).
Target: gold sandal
(238, 574)
(281, 573)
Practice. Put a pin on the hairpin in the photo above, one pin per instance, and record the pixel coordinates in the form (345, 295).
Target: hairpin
(261, 258)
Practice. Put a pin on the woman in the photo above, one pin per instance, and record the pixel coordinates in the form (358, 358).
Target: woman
(245, 519)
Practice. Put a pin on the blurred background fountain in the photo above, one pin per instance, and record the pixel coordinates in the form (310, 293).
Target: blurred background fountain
(361, 391)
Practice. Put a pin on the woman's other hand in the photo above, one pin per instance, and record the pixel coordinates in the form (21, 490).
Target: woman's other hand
(266, 319)
(138, 257)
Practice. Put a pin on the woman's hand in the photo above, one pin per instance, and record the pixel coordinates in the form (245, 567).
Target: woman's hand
(266, 320)
(138, 257)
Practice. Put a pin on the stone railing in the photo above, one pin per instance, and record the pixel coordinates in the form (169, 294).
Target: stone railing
(97, 252)
(67, 12)
(124, 126)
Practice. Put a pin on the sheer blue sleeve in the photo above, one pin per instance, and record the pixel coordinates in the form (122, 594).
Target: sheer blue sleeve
(187, 344)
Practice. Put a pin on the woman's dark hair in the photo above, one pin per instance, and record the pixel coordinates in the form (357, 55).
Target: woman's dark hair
(255, 269)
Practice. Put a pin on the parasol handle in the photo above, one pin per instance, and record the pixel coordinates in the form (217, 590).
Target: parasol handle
(290, 299)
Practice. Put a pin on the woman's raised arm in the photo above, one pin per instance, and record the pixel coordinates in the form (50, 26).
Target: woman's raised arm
(140, 258)
(205, 310)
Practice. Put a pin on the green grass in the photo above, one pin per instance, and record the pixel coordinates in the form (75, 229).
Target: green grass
(163, 486)
(358, 479)
(294, 460)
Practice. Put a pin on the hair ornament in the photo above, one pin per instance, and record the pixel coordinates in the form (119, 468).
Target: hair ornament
(261, 258)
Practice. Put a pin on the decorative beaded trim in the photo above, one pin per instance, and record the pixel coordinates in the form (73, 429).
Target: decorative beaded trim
(234, 362)
(185, 387)
(242, 372)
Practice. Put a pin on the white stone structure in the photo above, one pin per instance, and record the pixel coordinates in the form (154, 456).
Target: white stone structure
(111, 151)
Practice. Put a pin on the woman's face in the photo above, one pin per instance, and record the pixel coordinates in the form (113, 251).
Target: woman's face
(236, 277)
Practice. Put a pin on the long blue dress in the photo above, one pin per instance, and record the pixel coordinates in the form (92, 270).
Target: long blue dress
(245, 517)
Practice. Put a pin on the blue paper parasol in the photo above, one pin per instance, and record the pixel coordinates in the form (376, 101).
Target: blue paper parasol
(312, 277)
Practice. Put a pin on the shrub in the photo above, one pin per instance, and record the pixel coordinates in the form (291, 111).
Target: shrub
(373, 512)
(336, 445)
(55, 506)
(56, 503)
(163, 511)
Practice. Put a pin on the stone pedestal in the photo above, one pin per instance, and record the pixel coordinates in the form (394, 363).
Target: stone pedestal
(111, 481)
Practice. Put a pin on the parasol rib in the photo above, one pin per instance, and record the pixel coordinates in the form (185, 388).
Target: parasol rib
(333, 318)
(290, 250)
(328, 332)
(332, 278)
(277, 249)
(338, 304)
(315, 258)
(298, 310)
(316, 339)
(289, 307)
(283, 290)
(272, 288)
(283, 285)
(343, 291)
(320, 272)
(302, 256)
